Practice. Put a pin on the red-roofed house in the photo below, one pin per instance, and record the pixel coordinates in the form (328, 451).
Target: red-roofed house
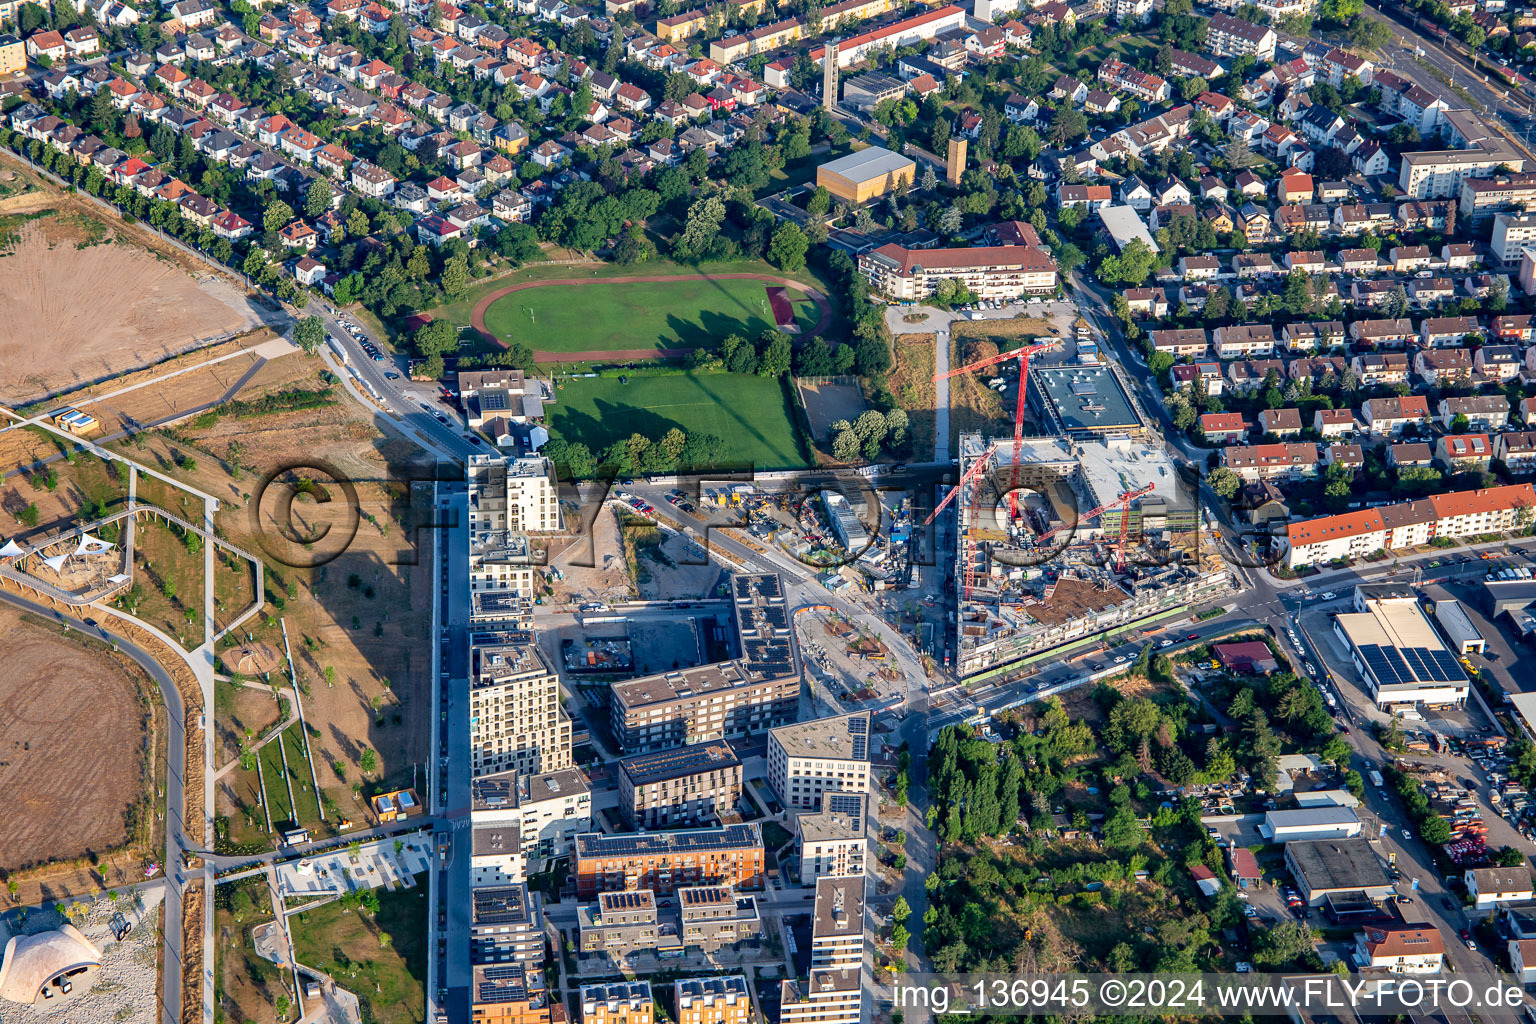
(1249, 658)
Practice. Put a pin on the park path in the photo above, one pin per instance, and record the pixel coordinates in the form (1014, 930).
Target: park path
(477, 316)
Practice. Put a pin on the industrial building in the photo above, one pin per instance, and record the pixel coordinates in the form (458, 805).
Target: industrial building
(692, 785)
(663, 861)
(1456, 624)
(728, 700)
(1324, 867)
(826, 755)
(1398, 654)
(866, 174)
(1325, 822)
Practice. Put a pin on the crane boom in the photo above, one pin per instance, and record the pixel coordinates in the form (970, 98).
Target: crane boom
(975, 470)
(1124, 499)
(1001, 357)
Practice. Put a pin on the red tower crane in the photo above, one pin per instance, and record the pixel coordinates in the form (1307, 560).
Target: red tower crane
(973, 512)
(1022, 354)
(1124, 504)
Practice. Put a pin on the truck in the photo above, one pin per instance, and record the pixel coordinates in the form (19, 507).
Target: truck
(338, 350)
(1376, 780)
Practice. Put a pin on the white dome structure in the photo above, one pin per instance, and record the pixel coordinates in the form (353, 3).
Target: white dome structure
(47, 967)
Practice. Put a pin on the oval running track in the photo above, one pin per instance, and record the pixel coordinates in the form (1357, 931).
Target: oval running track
(477, 317)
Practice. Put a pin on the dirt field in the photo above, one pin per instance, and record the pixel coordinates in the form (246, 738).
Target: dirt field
(670, 576)
(356, 624)
(84, 300)
(825, 404)
(72, 749)
(607, 579)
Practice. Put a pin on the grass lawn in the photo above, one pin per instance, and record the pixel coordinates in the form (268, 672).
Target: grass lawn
(686, 313)
(278, 806)
(168, 586)
(389, 980)
(751, 414)
(298, 766)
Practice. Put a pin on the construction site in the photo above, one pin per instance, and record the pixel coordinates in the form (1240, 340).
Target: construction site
(1060, 540)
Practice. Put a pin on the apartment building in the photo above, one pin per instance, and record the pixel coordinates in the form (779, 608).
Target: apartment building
(1401, 948)
(1461, 452)
(508, 499)
(618, 1002)
(691, 785)
(506, 926)
(1387, 417)
(1477, 151)
(516, 722)
(827, 755)
(729, 700)
(539, 816)
(988, 272)
(823, 997)
(1119, 75)
(1407, 524)
(1190, 342)
(833, 841)
(512, 993)
(837, 925)
(1227, 36)
(622, 922)
(1243, 341)
(1512, 234)
(1293, 461)
(1517, 450)
(1483, 412)
(1441, 367)
(711, 917)
(1481, 198)
(663, 861)
(712, 1000)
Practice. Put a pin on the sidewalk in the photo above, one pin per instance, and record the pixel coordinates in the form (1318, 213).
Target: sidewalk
(1392, 566)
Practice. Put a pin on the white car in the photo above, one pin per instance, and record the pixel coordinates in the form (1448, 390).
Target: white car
(1407, 834)
(1122, 659)
(1329, 596)
(1166, 643)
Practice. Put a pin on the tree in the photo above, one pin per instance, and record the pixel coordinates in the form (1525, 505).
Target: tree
(1122, 831)
(436, 338)
(776, 354)
(368, 760)
(700, 229)
(455, 276)
(1283, 944)
(900, 910)
(309, 335)
(319, 197)
(1224, 483)
(1069, 125)
(1370, 33)
(1509, 857)
(788, 247)
(900, 937)
(277, 216)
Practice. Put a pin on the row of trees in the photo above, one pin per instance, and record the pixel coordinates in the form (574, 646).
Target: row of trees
(673, 451)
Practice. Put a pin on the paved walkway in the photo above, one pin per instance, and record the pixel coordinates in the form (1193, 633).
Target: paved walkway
(477, 317)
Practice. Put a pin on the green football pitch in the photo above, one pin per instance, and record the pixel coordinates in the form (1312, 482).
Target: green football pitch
(751, 414)
(674, 313)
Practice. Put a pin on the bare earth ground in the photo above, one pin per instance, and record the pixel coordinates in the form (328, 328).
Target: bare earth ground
(77, 314)
(360, 615)
(71, 746)
(825, 404)
(606, 579)
(679, 580)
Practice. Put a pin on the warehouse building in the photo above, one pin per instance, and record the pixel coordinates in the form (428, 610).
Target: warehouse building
(1310, 823)
(1334, 867)
(1457, 626)
(865, 175)
(1399, 655)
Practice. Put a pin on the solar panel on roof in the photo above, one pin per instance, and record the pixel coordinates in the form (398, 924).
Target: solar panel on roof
(1449, 666)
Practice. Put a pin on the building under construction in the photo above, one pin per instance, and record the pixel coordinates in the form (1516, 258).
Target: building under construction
(1101, 538)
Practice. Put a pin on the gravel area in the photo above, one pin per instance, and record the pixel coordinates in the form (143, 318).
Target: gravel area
(125, 991)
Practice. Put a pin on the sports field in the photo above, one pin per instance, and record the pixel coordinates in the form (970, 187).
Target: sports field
(751, 414)
(663, 316)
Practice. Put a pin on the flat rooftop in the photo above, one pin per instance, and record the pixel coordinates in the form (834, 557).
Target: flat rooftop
(1337, 863)
(656, 844)
(842, 816)
(506, 904)
(839, 909)
(845, 738)
(509, 789)
(1110, 469)
(1400, 646)
(1084, 400)
(645, 769)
